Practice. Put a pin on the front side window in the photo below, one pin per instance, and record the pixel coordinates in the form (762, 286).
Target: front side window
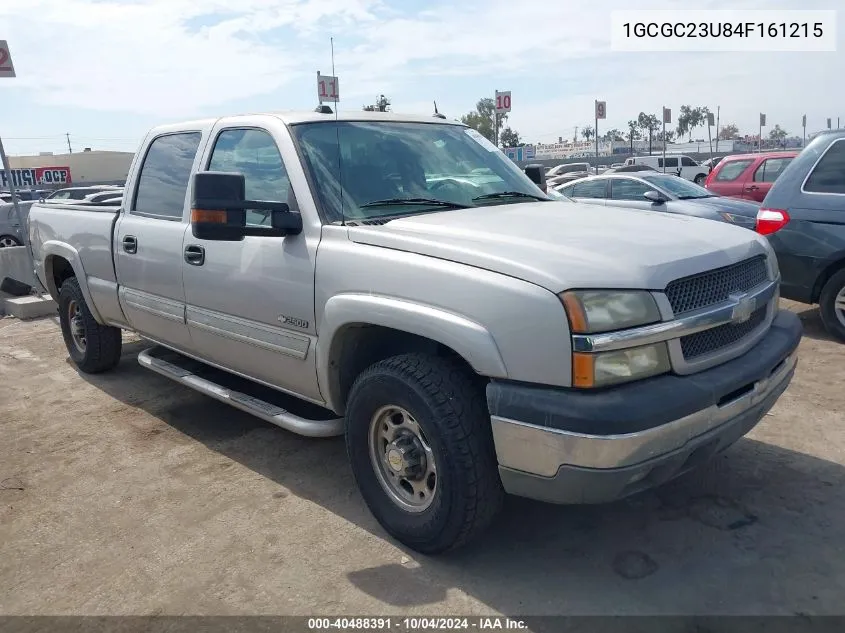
(732, 170)
(362, 170)
(827, 176)
(686, 161)
(628, 189)
(254, 154)
(165, 175)
(678, 187)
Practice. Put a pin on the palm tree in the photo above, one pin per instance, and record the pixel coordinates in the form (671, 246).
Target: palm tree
(588, 132)
(632, 133)
(648, 123)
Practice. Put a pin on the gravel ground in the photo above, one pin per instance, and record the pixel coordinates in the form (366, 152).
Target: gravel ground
(127, 494)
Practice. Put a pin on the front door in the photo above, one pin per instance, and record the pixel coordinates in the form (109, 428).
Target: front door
(250, 304)
(148, 241)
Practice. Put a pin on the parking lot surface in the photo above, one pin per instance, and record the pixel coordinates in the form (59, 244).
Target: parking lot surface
(124, 493)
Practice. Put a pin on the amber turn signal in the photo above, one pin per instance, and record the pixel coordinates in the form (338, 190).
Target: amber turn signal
(208, 217)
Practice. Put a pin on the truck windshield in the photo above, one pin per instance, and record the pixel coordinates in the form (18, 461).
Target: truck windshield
(374, 167)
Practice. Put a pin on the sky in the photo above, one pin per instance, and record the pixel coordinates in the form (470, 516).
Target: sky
(105, 71)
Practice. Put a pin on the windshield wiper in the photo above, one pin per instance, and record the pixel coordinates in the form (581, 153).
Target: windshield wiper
(695, 197)
(392, 202)
(508, 194)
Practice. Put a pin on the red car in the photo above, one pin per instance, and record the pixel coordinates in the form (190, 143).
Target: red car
(748, 176)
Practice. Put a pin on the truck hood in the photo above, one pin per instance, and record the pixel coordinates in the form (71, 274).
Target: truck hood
(561, 245)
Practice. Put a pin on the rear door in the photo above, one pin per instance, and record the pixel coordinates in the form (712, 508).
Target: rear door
(148, 240)
(763, 176)
(730, 177)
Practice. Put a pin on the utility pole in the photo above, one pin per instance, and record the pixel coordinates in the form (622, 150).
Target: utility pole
(575, 138)
(69, 148)
(718, 109)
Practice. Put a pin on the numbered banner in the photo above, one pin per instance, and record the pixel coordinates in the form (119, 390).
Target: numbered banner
(503, 102)
(328, 88)
(762, 120)
(711, 120)
(828, 124)
(804, 121)
(7, 69)
(667, 115)
(601, 109)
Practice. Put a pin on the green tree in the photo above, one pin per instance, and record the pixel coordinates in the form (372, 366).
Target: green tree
(728, 132)
(382, 104)
(588, 132)
(777, 133)
(633, 133)
(481, 118)
(612, 135)
(509, 138)
(691, 118)
(649, 124)
(670, 136)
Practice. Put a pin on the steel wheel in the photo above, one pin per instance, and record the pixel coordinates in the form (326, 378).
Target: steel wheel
(402, 458)
(7, 241)
(77, 326)
(839, 306)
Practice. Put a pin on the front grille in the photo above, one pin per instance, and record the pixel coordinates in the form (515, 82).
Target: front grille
(719, 337)
(715, 286)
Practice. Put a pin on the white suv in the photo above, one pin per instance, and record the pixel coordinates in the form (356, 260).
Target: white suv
(680, 165)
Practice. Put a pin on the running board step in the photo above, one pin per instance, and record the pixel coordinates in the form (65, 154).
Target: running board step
(217, 384)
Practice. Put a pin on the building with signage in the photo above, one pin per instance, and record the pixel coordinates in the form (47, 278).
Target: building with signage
(87, 167)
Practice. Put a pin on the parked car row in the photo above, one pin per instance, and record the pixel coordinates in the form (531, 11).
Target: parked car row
(795, 199)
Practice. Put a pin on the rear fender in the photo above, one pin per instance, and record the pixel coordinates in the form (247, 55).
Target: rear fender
(51, 251)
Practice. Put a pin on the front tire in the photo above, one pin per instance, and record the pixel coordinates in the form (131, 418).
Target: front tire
(421, 449)
(832, 305)
(93, 348)
(699, 179)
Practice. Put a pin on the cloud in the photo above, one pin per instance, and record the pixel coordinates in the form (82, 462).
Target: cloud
(174, 58)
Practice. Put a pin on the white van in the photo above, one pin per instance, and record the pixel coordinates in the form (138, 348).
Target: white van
(677, 164)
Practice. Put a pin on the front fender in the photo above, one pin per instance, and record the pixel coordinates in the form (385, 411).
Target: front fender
(466, 337)
(52, 249)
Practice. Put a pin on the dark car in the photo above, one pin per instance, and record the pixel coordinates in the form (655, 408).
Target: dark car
(803, 215)
(653, 191)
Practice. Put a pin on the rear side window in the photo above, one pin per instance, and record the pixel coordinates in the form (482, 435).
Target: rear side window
(588, 189)
(828, 176)
(165, 174)
(731, 170)
(771, 169)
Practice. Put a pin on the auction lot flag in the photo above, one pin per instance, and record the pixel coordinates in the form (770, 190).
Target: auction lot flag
(28, 177)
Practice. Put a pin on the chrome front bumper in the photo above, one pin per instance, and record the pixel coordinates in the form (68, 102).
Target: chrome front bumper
(567, 466)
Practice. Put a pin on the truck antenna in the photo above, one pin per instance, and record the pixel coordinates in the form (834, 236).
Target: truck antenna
(339, 153)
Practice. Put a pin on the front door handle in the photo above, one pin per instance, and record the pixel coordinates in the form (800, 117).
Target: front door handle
(130, 244)
(752, 188)
(195, 255)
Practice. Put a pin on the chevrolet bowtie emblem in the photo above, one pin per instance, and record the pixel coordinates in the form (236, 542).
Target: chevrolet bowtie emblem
(743, 309)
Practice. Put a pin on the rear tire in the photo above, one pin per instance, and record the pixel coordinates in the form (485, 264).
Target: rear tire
(451, 492)
(93, 348)
(832, 305)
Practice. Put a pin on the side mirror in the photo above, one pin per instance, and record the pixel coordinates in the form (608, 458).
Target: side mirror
(655, 197)
(218, 210)
(537, 174)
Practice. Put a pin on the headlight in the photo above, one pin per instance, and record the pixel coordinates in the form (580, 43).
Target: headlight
(592, 311)
(610, 368)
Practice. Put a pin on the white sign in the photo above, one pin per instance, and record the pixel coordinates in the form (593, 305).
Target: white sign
(7, 69)
(503, 102)
(328, 88)
(601, 109)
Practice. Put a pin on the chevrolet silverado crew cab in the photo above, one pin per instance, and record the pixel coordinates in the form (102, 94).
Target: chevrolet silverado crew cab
(399, 281)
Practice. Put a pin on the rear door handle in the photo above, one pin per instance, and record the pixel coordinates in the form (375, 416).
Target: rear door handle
(130, 244)
(195, 255)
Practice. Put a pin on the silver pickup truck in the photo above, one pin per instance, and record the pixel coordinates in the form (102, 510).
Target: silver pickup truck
(399, 281)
